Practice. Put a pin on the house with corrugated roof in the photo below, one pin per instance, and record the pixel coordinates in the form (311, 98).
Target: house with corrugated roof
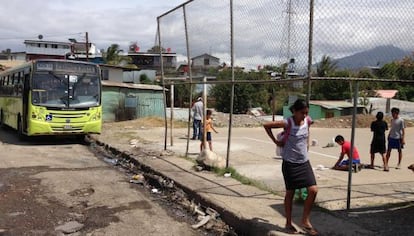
(127, 101)
(205, 61)
(321, 109)
(124, 99)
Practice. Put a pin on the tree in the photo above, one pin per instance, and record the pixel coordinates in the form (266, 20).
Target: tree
(405, 70)
(388, 71)
(330, 90)
(143, 79)
(182, 95)
(112, 57)
(367, 87)
(246, 95)
(402, 70)
(325, 67)
(156, 49)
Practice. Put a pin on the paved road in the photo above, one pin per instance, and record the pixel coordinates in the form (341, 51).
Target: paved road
(253, 155)
(50, 183)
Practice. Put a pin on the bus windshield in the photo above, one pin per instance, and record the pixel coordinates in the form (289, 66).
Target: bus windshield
(65, 90)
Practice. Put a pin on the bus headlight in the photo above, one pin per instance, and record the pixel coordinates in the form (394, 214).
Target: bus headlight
(38, 113)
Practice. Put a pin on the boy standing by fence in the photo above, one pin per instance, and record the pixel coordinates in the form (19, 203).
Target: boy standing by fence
(208, 127)
(396, 135)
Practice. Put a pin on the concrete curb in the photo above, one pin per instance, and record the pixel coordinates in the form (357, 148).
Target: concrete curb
(257, 212)
(241, 225)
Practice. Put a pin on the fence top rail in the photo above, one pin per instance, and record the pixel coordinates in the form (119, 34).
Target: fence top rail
(175, 8)
(284, 81)
(363, 79)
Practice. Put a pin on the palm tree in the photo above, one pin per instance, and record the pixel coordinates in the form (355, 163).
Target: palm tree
(112, 57)
(326, 67)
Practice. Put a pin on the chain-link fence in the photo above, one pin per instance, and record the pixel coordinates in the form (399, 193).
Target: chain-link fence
(380, 29)
(268, 32)
(291, 38)
(335, 43)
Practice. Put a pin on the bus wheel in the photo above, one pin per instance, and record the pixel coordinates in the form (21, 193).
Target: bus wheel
(20, 128)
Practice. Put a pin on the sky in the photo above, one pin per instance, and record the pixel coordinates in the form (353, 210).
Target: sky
(262, 35)
(106, 21)
(261, 32)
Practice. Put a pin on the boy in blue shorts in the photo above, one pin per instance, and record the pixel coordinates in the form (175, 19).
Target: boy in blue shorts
(346, 149)
(396, 135)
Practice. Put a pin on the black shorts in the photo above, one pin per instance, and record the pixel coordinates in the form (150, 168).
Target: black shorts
(208, 136)
(298, 175)
(377, 148)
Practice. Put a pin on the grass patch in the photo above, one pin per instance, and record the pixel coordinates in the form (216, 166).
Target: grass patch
(237, 176)
(188, 159)
(245, 180)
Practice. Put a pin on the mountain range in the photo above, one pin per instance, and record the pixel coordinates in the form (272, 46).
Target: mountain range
(377, 56)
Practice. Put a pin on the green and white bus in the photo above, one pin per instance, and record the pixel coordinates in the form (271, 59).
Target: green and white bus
(52, 97)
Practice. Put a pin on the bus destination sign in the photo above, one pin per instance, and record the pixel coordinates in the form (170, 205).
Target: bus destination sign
(65, 67)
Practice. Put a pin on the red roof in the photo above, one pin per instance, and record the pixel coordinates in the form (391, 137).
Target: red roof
(386, 93)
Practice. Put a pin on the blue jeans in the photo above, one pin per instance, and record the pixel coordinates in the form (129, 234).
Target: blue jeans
(346, 162)
(197, 129)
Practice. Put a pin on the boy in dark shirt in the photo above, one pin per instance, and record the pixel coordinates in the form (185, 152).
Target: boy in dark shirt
(378, 127)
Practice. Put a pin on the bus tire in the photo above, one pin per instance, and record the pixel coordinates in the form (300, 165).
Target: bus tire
(20, 133)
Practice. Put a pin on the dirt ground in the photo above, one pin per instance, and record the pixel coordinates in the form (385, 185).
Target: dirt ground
(222, 120)
(52, 183)
(362, 121)
(389, 219)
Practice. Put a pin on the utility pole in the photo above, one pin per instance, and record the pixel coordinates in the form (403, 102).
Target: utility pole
(289, 38)
(87, 46)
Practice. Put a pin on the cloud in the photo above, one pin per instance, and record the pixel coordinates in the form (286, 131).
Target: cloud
(105, 21)
(263, 31)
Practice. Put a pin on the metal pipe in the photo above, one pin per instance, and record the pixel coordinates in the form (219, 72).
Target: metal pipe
(310, 50)
(87, 46)
(175, 8)
(204, 114)
(190, 76)
(351, 156)
(232, 84)
(163, 85)
(171, 114)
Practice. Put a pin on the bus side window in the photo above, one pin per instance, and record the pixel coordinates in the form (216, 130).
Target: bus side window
(2, 85)
(19, 86)
(8, 85)
(15, 84)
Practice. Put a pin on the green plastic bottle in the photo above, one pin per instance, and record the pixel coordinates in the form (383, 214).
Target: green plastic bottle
(300, 194)
(304, 192)
(297, 195)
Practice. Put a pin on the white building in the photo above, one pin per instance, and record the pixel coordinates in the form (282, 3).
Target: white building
(37, 49)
